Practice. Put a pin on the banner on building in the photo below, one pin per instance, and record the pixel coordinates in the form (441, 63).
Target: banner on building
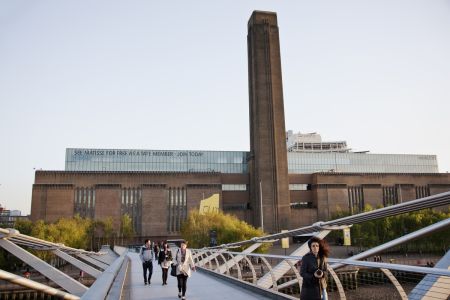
(347, 239)
(210, 204)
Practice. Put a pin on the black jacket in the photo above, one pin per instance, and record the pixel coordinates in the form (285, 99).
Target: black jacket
(311, 285)
(163, 256)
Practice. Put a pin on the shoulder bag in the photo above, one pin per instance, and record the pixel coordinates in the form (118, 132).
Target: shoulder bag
(173, 267)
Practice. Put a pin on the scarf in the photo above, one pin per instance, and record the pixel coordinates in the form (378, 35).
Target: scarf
(183, 255)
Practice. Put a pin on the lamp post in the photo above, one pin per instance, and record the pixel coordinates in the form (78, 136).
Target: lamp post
(261, 204)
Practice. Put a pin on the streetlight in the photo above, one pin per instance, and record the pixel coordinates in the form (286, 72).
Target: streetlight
(261, 203)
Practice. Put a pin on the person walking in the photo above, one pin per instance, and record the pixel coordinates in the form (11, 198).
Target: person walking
(146, 255)
(156, 249)
(185, 263)
(165, 260)
(314, 271)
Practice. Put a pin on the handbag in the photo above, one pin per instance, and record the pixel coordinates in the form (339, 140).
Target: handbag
(173, 269)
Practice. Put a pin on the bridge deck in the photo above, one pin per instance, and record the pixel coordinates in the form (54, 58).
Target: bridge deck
(199, 286)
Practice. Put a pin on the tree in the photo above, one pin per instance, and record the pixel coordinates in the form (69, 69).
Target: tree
(72, 232)
(228, 228)
(24, 226)
(126, 226)
(380, 231)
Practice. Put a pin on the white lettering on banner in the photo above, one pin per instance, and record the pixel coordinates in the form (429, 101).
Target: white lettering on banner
(111, 152)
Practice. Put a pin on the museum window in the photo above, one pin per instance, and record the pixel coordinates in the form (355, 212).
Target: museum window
(234, 187)
(390, 195)
(177, 209)
(85, 202)
(301, 205)
(298, 187)
(355, 199)
(132, 206)
(422, 191)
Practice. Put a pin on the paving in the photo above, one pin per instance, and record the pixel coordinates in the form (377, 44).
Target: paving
(199, 286)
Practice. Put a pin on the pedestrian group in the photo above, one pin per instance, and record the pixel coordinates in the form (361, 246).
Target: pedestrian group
(181, 264)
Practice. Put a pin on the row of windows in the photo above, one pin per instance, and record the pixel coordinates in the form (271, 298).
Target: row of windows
(131, 199)
(176, 209)
(300, 205)
(422, 192)
(236, 161)
(358, 168)
(361, 158)
(156, 155)
(132, 206)
(390, 195)
(359, 162)
(155, 167)
(299, 187)
(355, 199)
(234, 187)
(85, 202)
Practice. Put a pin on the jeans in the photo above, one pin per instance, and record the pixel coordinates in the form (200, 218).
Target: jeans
(147, 265)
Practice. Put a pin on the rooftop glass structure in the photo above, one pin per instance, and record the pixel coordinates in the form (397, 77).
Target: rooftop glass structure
(129, 160)
(299, 163)
(155, 160)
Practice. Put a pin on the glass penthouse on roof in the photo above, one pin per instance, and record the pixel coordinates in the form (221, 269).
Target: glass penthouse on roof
(128, 160)
(156, 160)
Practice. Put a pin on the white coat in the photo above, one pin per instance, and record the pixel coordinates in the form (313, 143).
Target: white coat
(184, 268)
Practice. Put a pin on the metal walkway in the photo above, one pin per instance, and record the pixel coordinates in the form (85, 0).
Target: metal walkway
(199, 286)
(118, 273)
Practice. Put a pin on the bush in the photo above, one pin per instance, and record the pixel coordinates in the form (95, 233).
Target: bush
(229, 229)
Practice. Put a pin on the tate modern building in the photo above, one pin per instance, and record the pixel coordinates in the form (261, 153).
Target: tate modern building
(291, 179)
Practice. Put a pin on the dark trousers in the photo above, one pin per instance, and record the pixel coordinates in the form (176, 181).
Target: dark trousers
(147, 265)
(164, 274)
(182, 279)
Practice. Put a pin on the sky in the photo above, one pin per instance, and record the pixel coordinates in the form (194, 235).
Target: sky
(172, 75)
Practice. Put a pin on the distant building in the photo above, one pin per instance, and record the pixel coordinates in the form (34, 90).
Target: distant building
(307, 153)
(9, 217)
(312, 142)
(285, 181)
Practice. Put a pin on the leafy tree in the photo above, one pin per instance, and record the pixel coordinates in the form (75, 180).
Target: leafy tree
(229, 229)
(126, 226)
(107, 227)
(24, 226)
(373, 233)
(73, 232)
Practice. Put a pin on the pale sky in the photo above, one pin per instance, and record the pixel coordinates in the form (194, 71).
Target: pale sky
(173, 75)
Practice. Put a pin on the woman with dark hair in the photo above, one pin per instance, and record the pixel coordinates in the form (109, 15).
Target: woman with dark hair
(185, 263)
(165, 260)
(314, 269)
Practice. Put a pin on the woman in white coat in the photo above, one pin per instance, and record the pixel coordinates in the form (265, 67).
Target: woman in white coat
(185, 263)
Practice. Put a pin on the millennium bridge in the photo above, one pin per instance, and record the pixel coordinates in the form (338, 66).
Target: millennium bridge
(222, 273)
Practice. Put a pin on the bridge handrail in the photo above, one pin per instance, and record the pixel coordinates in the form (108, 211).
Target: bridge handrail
(16, 279)
(346, 261)
(100, 288)
(36, 243)
(117, 287)
(413, 205)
